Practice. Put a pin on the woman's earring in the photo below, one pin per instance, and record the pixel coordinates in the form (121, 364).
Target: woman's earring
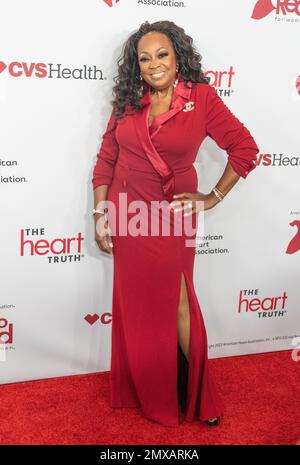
(141, 88)
(176, 80)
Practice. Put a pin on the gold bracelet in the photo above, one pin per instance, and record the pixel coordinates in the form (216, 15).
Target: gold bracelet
(218, 194)
(221, 193)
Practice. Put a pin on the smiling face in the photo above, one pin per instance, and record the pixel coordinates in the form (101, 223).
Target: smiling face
(157, 60)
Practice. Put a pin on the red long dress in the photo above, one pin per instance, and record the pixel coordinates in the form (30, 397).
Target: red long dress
(148, 368)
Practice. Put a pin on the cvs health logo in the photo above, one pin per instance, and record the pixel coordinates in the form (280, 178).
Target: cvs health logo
(263, 8)
(268, 159)
(110, 2)
(17, 69)
(104, 319)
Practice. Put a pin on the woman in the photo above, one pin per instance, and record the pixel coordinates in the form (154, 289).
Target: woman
(163, 109)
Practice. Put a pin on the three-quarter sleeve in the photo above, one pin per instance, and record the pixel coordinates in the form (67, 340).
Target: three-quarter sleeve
(107, 155)
(230, 134)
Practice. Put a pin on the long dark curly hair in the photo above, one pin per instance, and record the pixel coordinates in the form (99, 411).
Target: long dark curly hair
(127, 88)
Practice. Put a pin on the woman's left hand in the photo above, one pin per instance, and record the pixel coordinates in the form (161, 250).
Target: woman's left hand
(187, 202)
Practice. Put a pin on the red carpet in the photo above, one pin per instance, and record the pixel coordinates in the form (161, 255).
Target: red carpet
(261, 394)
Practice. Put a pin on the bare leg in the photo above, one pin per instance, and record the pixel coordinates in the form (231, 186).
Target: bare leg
(183, 320)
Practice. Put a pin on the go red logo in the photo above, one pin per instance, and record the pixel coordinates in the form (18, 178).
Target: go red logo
(110, 2)
(298, 84)
(294, 244)
(265, 7)
(6, 331)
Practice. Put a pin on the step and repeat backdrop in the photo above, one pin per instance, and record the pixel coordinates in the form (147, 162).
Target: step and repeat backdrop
(57, 63)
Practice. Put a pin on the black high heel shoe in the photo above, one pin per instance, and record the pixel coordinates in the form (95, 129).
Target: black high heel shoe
(213, 422)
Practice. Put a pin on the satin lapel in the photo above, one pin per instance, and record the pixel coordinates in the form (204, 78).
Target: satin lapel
(181, 95)
(141, 125)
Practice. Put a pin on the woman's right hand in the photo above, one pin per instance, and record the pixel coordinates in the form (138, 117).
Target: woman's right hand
(103, 233)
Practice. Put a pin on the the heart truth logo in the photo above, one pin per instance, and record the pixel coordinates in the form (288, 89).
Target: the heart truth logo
(110, 2)
(265, 7)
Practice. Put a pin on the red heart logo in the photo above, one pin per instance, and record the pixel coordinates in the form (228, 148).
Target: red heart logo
(294, 244)
(2, 66)
(108, 2)
(262, 9)
(91, 319)
(298, 84)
